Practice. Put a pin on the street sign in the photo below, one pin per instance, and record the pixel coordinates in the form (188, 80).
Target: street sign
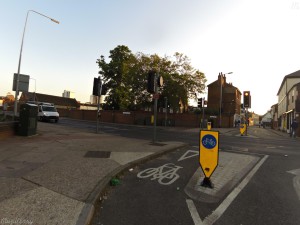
(209, 151)
(23, 82)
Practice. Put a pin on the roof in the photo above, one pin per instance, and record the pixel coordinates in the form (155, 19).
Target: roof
(56, 100)
(226, 85)
(292, 75)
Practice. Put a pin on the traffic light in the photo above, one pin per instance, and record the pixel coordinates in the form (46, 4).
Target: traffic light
(96, 86)
(151, 82)
(200, 103)
(247, 99)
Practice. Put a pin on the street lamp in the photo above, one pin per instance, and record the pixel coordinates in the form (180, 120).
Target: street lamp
(20, 58)
(221, 90)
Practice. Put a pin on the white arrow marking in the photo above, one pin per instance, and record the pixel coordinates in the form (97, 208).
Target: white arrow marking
(188, 154)
(296, 180)
(212, 218)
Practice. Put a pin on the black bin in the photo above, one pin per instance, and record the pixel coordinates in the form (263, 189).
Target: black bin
(28, 119)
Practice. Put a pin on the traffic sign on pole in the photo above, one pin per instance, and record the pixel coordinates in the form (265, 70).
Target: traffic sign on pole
(208, 154)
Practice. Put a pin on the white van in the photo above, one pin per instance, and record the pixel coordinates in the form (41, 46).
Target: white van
(47, 112)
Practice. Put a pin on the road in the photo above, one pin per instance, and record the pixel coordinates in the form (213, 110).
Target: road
(257, 181)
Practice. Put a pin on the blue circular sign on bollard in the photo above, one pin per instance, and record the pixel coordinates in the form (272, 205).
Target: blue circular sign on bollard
(209, 141)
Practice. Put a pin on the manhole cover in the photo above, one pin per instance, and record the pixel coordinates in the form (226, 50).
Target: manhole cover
(97, 154)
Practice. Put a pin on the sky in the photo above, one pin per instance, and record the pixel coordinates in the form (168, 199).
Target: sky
(258, 41)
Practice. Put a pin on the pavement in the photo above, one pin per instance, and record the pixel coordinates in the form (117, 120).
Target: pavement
(58, 175)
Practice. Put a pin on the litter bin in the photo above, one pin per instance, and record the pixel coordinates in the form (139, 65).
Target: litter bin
(28, 119)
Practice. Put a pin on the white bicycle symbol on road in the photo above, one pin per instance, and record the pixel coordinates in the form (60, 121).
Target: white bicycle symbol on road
(166, 174)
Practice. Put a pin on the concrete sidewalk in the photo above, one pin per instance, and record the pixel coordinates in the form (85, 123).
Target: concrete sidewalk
(56, 177)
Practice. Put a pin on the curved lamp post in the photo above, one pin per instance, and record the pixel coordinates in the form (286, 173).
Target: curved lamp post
(20, 58)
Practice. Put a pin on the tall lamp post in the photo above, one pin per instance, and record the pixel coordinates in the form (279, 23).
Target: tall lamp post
(20, 58)
(221, 90)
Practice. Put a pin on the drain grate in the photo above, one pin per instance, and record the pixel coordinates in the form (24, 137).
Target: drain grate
(97, 154)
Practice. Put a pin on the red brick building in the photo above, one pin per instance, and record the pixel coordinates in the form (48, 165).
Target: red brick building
(224, 97)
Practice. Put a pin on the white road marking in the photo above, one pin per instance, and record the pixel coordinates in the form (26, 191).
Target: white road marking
(188, 154)
(296, 181)
(165, 174)
(193, 210)
(295, 172)
(218, 212)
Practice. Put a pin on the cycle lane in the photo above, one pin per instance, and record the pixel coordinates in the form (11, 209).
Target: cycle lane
(157, 191)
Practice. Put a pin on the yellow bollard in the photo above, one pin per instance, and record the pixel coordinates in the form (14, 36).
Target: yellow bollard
(243, 128)
(208, 125)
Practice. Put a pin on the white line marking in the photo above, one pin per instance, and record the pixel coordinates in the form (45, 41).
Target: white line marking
(188, 154)
(195, 216)
(295, 172)
(296, 181)
(166, 174)
(212, 218)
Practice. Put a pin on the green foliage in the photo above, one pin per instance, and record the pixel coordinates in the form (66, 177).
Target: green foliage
(126, 78)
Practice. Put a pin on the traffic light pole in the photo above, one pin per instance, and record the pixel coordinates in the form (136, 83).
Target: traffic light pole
(246, 121)
(203, 114)
(155, 108)
(166, 113)
(98, 101)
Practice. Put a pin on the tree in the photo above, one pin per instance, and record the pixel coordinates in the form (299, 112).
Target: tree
(116, 76)
(182, 81)
(126, 78)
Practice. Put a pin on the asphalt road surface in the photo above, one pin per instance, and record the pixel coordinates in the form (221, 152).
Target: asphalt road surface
(158, 192)
(257, 181)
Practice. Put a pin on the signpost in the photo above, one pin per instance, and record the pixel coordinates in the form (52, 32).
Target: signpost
(154, 82)
(208, 154)
(97, 89)
(23, 82)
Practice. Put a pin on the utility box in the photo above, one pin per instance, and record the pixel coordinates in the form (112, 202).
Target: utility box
(28, 119)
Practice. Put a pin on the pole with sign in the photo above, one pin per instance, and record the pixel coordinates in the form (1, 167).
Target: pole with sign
(97, 89)
(154, 82)
(208, 154)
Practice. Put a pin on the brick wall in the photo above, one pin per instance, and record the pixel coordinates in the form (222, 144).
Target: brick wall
(134, 117)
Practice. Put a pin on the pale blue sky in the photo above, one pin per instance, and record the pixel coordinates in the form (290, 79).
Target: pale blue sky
(256, 40)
